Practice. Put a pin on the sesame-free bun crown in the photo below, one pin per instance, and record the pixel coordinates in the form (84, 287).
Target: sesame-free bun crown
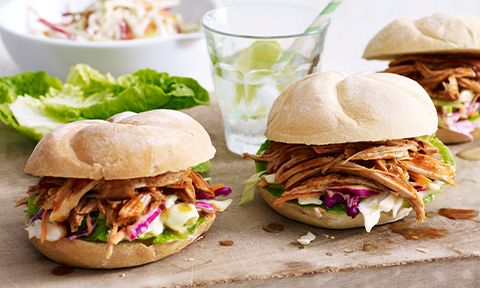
(333, 107)
(128, 145)
(438, 33)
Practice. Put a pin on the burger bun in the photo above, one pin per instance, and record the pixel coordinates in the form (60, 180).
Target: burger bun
(85, 254)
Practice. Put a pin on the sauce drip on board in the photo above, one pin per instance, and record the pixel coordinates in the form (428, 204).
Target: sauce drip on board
(273, 228)
(403, 228)
(470, 154)
(226, 243)
(457, 214)
(369, 247)
(62, 270)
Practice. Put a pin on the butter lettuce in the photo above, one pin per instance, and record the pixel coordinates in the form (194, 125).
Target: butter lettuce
(35, 103)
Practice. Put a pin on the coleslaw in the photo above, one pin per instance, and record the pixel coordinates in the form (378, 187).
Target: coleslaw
(109, 20)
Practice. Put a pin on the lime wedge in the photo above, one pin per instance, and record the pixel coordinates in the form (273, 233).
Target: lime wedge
(260, 55)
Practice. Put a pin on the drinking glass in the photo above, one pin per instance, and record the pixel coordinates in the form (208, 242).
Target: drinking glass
(256, 51)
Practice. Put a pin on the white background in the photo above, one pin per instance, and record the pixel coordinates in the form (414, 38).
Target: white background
(353, 24)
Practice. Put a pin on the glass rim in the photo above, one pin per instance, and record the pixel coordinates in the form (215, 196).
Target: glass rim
(323, 27)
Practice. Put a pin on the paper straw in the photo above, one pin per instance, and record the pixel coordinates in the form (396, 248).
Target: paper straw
(321, 19)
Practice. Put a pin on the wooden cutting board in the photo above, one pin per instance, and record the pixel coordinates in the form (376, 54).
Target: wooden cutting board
(258, 258)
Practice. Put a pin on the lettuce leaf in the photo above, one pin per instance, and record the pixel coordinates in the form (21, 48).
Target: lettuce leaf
(202, 167)
(34, 103)
(100, 233)
(32, 208)
(447, 156)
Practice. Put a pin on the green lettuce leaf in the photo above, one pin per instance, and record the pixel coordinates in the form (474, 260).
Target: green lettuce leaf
(100, 233)
(447, 156)
(32, 209)
(34, 103)
(202, 167)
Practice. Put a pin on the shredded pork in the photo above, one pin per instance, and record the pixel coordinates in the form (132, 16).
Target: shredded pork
(381, 166)
(442, 76)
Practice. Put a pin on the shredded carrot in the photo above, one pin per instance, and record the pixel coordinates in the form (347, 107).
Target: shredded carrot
(320, 209)
(117, 237)
(420, 179)
(113, 232)
(44, 227)
(150, 28)
(294, 196)
(263, 183)
(217, 187)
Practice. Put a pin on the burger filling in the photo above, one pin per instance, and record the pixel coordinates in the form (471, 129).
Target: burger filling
(353, 178)
(453, 83)
(162, 208)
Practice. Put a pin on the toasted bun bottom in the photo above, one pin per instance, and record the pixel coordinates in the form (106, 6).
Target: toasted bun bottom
(452, 137)
(328, 220)
(84, 254)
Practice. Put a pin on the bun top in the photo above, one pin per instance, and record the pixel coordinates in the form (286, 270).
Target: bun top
(333, 107)
(438, 33)
(128, 145)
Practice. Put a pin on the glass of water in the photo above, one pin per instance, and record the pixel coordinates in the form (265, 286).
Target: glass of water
(256, 51)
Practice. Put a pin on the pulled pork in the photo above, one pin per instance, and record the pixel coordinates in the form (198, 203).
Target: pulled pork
(442, 76)
(123, 202)
(399, 167)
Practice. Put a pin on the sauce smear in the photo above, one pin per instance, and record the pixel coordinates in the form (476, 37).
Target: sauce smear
(369, 247)
(62, 270)
(226, 243)
(431, 214)
(456, 214)
(273, 228)
(404, 228)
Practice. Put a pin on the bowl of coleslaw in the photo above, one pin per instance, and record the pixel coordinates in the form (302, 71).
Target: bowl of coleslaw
(112, 36)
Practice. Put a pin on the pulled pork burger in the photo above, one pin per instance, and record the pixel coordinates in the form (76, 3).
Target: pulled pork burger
(122, 192)
(442, 53)
(350, 151)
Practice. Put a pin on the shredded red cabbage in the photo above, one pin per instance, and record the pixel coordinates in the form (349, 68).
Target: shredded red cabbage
(141, 225)
(37, 215)
(201, 195)
(207, 207)
(347, 195)
(56, 28)
(420, 188)
(123, 29)
(361, 192)
(223, 191)
(82, 233)
(463, 127)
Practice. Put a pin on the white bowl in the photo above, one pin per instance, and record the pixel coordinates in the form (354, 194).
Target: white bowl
(179, 55)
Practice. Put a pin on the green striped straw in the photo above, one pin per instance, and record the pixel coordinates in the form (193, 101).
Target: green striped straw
(321, 19)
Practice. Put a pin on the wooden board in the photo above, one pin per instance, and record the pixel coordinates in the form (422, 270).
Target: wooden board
(258, 258)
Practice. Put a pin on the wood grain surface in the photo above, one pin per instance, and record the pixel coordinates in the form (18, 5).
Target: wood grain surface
(257, 258)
